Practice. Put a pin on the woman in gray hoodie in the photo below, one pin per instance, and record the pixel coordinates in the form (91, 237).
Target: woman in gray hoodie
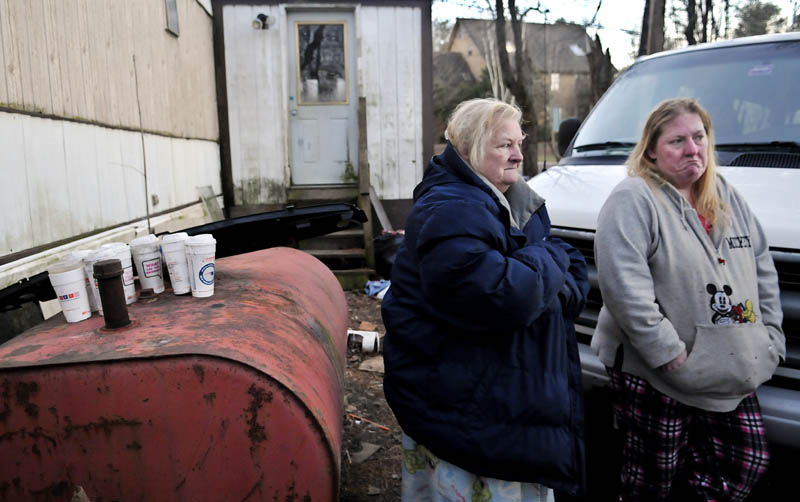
(691, 322)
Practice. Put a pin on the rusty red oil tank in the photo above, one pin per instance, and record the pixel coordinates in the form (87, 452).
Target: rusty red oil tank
(233, 397)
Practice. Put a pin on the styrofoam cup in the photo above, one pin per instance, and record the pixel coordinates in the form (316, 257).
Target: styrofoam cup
(69, 281)
(173, 249)
(147, 258)
(200, 251)
(80, 255)
(122, 252)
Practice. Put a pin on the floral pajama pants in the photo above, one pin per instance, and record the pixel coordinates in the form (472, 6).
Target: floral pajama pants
(427, 478)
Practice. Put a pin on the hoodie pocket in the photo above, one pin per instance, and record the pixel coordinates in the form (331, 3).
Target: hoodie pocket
(727, 361)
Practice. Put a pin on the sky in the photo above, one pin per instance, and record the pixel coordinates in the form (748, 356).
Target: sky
(619, 20)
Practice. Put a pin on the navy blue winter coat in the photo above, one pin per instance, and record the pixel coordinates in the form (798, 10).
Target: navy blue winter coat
(481, 358)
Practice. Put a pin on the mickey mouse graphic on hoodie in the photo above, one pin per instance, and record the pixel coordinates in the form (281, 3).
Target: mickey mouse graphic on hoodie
(725, 312)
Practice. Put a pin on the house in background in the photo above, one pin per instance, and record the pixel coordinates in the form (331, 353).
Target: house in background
(557, 51)
(108, 115)
(290, 76)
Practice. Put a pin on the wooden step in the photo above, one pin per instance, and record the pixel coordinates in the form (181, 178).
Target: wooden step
(342, 239)
(337, 253)
(354, 278)
(315, 194)
(340, 259)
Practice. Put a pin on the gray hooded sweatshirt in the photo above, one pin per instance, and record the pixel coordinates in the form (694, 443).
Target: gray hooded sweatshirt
(669, 286)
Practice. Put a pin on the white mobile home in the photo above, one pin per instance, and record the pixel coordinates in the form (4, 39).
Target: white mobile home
(108, 114)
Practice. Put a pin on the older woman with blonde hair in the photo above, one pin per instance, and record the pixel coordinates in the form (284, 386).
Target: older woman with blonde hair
(691, 321)
(482, 368)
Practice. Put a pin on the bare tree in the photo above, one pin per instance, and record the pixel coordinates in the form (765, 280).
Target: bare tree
(691, 12)
(644, 30)
(499, 89)
(727, 17)
(655, 27)
(600, 69)
(441, 29)
(702, 11)
(705, 13)
(520, 79)
(795, 26)
(757, 18)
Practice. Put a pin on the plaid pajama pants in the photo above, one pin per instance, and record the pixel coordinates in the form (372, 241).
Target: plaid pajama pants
(666, 444)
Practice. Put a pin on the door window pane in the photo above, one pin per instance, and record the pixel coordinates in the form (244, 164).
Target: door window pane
(321, 63)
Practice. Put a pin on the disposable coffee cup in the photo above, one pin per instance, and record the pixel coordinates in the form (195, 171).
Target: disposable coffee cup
(80, 255)
(364, 341)
(122, 252)
(88, 265)
(200, 251)
(69, 281)
(173, 249)
(147, 258)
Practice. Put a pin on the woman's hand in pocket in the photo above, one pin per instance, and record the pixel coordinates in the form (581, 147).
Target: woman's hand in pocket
(675, 363)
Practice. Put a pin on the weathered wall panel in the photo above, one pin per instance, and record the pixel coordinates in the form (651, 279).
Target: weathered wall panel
(74, 59)
(369, 87)
(409, 152)
(255, 66)
(13, 76)
(390, 38)
(3, 67)
(113, 197)
(14, 203)
(44, 154)
(82, 177)
(62, 179)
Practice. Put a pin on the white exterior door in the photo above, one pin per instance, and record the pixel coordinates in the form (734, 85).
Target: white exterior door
(322, 98)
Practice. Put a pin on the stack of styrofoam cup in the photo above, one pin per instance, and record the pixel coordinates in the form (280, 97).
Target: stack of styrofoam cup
(173, 249)
(122, 252)
(88, 268)
(80, 255)
(200, 252)
(69, 282)
(147, 257)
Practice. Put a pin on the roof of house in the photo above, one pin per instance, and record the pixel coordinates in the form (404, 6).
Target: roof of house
(451, 68)
(565, 45)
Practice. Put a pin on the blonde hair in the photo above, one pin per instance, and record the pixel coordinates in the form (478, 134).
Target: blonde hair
(707, 200)
(472, 124)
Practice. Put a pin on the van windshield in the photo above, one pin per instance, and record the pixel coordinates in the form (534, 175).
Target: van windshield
(750, 91)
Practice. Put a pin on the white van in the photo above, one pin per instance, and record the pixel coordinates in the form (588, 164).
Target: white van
(751, 88)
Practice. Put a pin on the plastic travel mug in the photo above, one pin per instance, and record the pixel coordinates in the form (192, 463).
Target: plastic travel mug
(69, 281)
(108, 274)
(122, 252)
(200, 251)
(173, 249)
(147, 258)
(88, 267)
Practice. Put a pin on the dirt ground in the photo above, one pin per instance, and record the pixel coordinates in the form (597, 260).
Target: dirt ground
(368, 420)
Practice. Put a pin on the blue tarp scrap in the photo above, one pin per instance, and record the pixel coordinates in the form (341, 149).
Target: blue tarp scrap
(374, 288)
